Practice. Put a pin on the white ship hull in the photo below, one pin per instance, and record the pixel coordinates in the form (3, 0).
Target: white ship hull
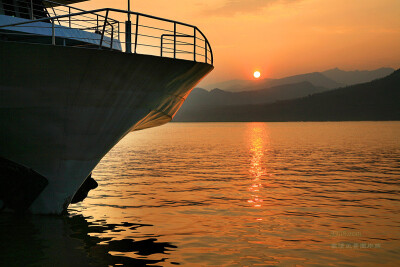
(61, 119)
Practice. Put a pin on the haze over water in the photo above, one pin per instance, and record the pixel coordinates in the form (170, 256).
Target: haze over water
(234, 194)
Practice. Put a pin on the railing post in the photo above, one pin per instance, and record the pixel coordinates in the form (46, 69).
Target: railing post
(174, 39)
(128, 31)
(69, 20)
(128, 36)
(162, 39)
(32, 10)
(112, 37)
(53, 33)
(212, 56)
(194, 45)
(136, 31)
(205, 47)
(104, 29)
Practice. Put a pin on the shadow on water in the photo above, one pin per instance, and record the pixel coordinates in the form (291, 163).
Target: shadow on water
(74, 241)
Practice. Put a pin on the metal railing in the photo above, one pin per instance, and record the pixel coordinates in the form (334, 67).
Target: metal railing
(151, 35)
(23, 9)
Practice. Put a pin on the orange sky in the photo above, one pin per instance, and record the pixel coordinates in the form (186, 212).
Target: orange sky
(285, 37)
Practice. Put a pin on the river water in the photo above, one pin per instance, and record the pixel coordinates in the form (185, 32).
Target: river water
(229, 194)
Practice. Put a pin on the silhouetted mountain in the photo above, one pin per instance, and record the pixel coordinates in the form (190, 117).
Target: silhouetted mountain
(315, 78)
(376, 100)
(357, 76)
(219, 97)
(329, 79)
(233, 85)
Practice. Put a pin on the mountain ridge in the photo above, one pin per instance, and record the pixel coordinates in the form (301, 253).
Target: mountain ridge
(220, 97)
(356, 76)
(375, 100)
(332, 78)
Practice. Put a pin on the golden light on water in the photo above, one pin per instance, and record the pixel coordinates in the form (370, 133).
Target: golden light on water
(257, 138)
(260, 192)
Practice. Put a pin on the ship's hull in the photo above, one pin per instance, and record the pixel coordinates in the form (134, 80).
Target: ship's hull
(62, 109)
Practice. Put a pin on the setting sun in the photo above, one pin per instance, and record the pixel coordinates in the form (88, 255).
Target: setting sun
(256, 74)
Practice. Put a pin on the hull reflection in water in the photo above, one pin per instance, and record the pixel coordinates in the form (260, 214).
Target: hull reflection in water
(75, 240)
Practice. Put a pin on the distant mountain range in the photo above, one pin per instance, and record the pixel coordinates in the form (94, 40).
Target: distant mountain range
(375, 100)
(356, 76)
(217, 97)
(329, 79)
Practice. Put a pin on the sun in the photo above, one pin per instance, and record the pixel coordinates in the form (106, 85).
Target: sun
(257, 74)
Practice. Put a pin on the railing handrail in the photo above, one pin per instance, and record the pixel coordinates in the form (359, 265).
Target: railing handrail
(83, 12)
(95, 11)
(71, 7)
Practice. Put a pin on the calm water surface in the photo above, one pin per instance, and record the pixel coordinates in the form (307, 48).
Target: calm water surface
(229, 194)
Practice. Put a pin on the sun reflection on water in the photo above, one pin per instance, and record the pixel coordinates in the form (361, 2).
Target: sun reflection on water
(257, 136)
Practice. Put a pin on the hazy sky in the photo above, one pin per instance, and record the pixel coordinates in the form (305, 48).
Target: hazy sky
(285, 37)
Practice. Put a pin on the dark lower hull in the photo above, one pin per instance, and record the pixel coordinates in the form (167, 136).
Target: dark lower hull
(62, 109)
